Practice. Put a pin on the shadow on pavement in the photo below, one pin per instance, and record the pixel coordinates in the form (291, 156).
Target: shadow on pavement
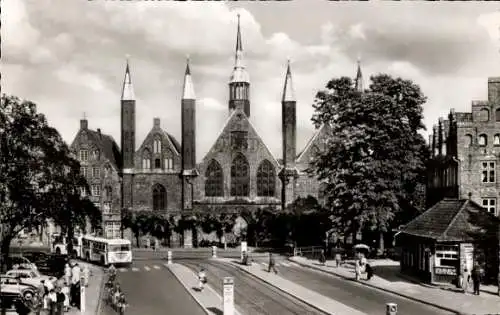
(390, 273)
(215, 310)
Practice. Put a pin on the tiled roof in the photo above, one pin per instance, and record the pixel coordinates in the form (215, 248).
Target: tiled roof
(453, 220)
(107, 145)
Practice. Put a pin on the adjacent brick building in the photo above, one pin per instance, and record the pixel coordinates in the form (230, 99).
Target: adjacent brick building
(238, 174)
(466, 154)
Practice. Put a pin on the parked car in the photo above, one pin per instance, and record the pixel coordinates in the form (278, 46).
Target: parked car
(33, 277)
(48, 263)
(20, 262)
(13, 286)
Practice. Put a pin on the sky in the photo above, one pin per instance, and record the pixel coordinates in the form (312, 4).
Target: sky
(68, 56)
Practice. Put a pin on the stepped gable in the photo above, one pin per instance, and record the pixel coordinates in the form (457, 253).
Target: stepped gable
(107, 145)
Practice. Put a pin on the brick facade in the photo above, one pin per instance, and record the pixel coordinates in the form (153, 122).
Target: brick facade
(100, 161)
(466, 153)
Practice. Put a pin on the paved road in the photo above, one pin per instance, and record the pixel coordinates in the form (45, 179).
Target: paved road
(152, 289)
(252, 296)
(365, 299)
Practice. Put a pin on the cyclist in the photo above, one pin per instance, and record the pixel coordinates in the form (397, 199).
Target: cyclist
(121, 304)
(116, 294)
(202, 277)
(112, 274)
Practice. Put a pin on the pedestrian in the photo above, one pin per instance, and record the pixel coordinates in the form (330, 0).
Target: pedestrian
(60, 298)
(67, 273)
(202, 279)
(65, 291)
(322, 258)
(45, 294)
(21, 307)
(52, 300)
(369, 272)
(465, 280)
(476, 278)
(338, 259)
(86, 275)
(75, 280)
(357, 269)
(272, 264)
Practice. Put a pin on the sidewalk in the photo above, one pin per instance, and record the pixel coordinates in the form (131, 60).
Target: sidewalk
(309, 297)
(456, 302)
(208, 299)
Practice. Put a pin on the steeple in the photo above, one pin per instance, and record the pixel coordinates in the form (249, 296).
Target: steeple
(288, 91)
(128, 89)
(188, 90)
(359, 78)
(239, 82)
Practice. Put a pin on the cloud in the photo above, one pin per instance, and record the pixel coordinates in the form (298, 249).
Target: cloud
(69, 57)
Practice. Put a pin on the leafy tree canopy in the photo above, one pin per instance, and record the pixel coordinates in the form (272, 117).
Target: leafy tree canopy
(39, 179)
(374, 158)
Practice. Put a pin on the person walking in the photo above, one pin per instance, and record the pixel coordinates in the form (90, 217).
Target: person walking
(272, 264)
(52, 300)
(75, 280)
(322, 258)
(465, 280)
(60, 298)
(476, 278)
(202, 279)
(67, 273)
(65, 291)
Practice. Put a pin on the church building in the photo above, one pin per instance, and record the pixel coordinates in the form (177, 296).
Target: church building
(239, 174)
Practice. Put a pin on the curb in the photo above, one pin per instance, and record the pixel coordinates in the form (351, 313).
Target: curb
(382, 289)
(191, 293)
(280, 289)
(101, 289)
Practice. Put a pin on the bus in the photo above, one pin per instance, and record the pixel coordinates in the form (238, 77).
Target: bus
(106, 251)
(59, 245)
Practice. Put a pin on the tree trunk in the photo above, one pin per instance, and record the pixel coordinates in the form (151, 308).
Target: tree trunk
(381, 242)
(69, 239)
(137, 235)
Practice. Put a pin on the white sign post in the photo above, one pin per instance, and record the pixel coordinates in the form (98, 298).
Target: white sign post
(228, 296)
(244, 248)
(169, 257)
(82, 295)
(214, 251)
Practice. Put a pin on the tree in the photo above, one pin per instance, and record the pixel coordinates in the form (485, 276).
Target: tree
(38, 176)
(137, 222)
(374, 156)
(159, 227)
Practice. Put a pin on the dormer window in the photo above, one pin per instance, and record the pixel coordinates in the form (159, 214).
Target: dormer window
(96, 155)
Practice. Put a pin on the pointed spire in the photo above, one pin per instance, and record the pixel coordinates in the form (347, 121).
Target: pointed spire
(188, 91)
(239, 73)
(288, 91)
(128, 89)
(359, 78)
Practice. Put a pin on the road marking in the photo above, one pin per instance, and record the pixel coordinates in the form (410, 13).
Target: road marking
(123, 269)
(147, 268)
(285, 264)
(135, 269)
(156, 267)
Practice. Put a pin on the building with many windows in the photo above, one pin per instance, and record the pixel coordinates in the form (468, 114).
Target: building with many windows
(238, 174)
(466, 154)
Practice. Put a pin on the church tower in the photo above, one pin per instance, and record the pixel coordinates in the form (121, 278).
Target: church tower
(288, 174)
(239, 83)
(188, 117)
(127, 137)
(359, 78)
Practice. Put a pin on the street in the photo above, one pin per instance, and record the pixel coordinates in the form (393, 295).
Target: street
(355, 295)
(250, 295)
(150, 288)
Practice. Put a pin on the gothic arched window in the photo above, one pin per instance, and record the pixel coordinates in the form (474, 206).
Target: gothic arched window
(214, 182)
(146, 159)
(482, 140)
(496, 139)
(157, 145)
(240, 176)
(159, 197)
(266, 180)
(169, 160)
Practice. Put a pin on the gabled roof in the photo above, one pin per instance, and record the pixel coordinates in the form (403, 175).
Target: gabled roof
(311, 141)
(453, 220)
(107, 145)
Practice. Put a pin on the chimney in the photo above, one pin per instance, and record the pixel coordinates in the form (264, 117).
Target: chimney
(84, 124)
(156, 122)
(99, 132)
